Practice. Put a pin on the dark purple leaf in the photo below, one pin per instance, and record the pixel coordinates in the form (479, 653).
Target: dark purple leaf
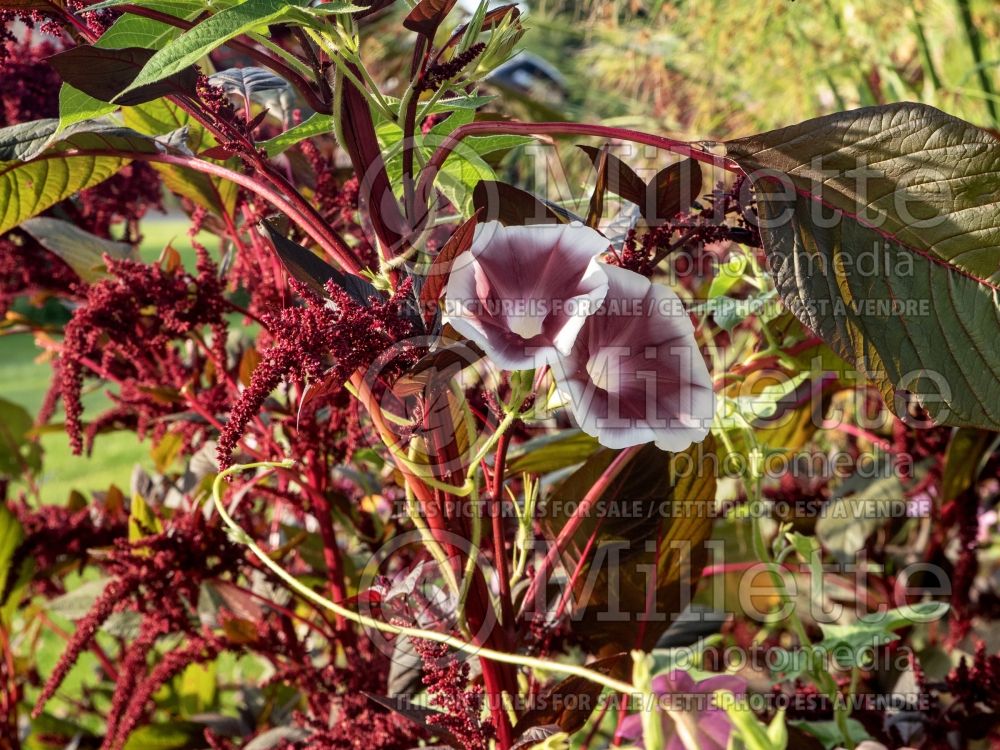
(569, 702)
(314, 272)
(622, 179)
(105, 73)
(656, 522)
(672, 190)
(437, 275)
(425, 18)
(376, 197)
(498, 201)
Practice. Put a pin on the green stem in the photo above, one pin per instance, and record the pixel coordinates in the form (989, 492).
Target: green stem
(318, 599)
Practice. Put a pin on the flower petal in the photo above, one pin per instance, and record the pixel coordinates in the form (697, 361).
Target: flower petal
(523, 293)
(635, 374)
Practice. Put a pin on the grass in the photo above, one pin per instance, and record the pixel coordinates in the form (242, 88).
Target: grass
(26, 379)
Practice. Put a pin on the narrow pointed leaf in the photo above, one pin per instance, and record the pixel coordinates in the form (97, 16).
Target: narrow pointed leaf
(437, 275)
(314, 272)
(210, 34)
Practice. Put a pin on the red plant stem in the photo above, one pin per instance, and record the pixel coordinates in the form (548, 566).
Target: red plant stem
(274, 63)
(421, 54)
(596, 726)
(9, 694)
(429, 173)
(578, 570)
(331, 550)
(499, 538)
(863, 434)
(582, 511)
(330, 243)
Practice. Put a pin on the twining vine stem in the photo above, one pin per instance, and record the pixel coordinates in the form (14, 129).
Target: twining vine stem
(242, 537)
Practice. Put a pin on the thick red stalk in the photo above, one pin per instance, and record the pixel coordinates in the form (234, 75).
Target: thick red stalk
(499, 537)
(429, 173)
(326, 239)
(582, 511)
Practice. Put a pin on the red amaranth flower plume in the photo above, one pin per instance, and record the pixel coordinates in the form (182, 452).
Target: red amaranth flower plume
(317, 340)
(55, 535)
(125, 331)
(447, 680)
(158, 576)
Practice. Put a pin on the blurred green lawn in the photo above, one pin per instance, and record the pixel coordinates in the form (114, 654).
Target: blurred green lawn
(25, 382)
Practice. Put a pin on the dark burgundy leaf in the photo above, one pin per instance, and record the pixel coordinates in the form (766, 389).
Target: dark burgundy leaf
(105, 73)
(437, 275)
(622, 179)
(498, 201)
(216, 152)
(569, 702)
(672, 190)
(376, 197)
(314, 272)
(425, 18)
(656, 523)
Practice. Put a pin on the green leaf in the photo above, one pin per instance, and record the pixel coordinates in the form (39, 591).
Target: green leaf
(211, 33)
(858, 639)
(161, 117)
(19, 455)
(11, 536)
(730, 274)
(552, 452)
(77, 602)
(128, 31)
(258, 86)
(197, 688)
(316, 124)
(751, 731)
(651, 526)
(968, 451)
(141, 520)
(80, 250)
(828, 733)
(847, 522)
(165, 736)
(37, 170)
(902, 280)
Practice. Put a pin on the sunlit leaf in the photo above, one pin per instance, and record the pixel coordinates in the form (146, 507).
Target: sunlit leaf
(882, 230)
